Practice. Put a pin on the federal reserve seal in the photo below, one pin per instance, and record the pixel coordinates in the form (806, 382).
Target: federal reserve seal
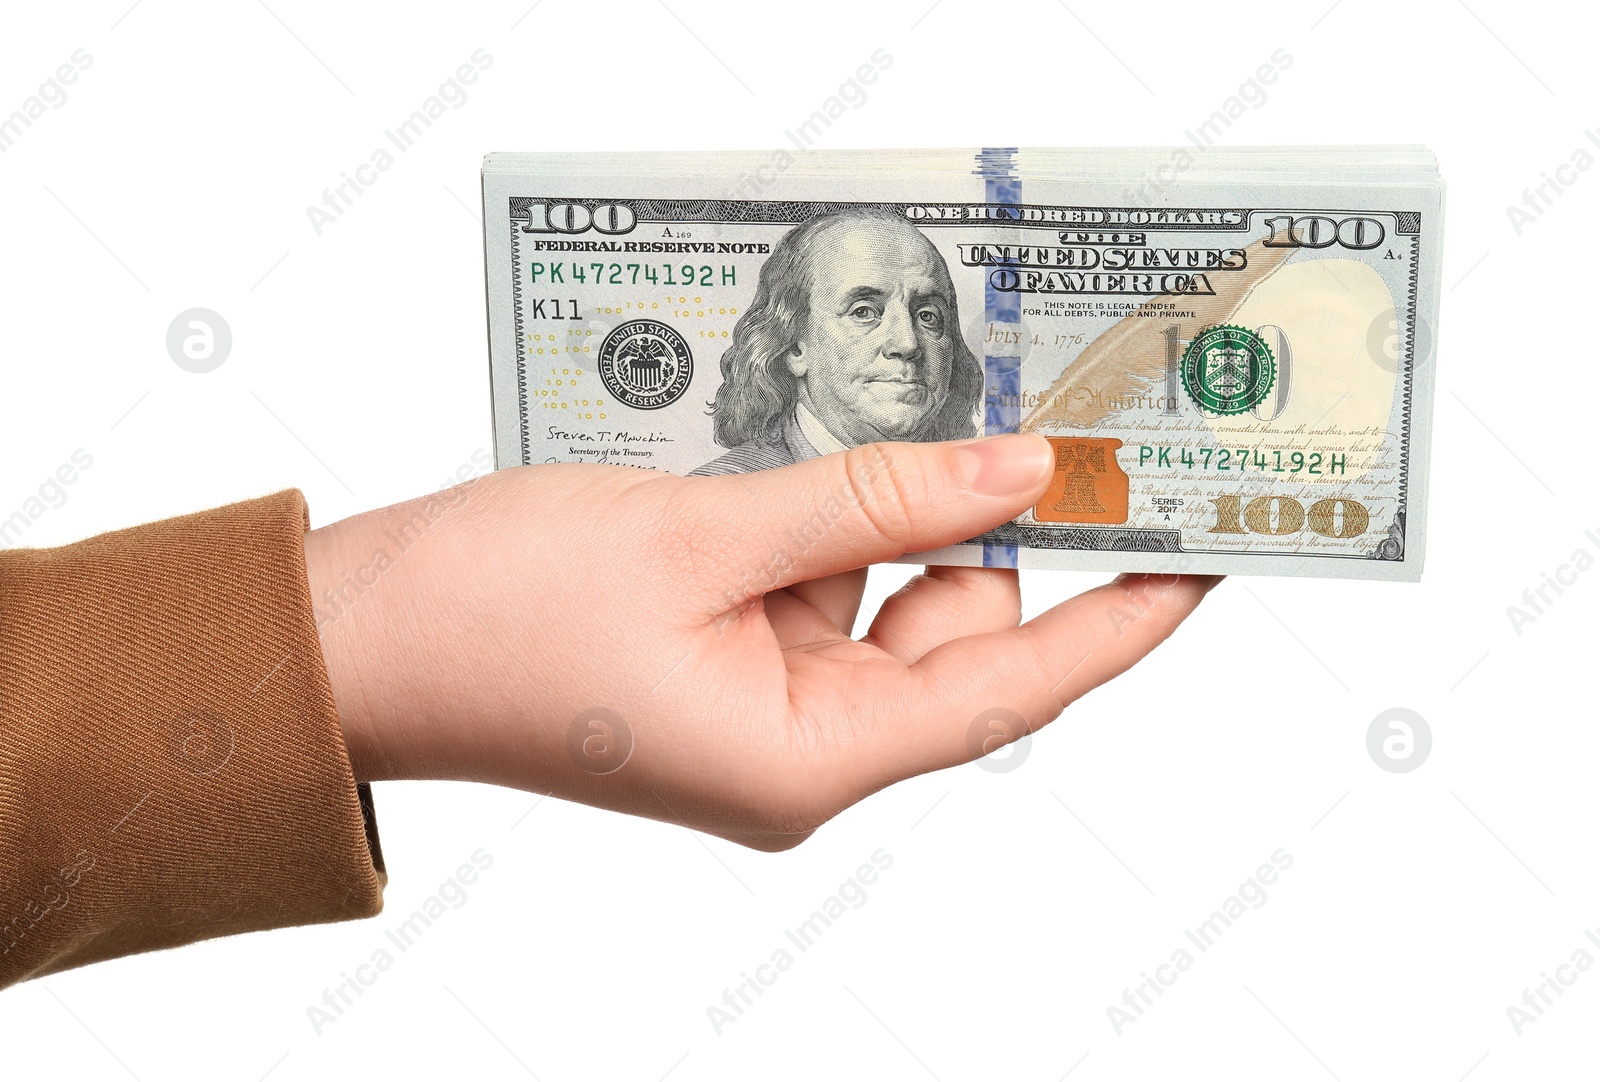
(1228, 369)
(645, 364)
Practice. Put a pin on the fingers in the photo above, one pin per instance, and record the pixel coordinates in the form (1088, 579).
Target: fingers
(871, 503)
(945, 603)
(837, 597)
(823, 610)
(1036, 669)
(796, 623)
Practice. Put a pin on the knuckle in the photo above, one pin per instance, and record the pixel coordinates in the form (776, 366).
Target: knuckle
(1038, 668)
(1147, 595)
(886, 492)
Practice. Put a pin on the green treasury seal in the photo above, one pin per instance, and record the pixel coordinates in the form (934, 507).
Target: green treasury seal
(1228, 369)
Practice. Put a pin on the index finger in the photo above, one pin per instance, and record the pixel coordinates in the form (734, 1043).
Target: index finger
(1035, 670)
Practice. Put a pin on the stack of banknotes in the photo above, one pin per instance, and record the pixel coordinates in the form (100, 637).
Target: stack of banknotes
(1231, 350)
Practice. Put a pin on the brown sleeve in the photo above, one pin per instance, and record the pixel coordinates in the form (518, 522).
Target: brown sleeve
(171, 763)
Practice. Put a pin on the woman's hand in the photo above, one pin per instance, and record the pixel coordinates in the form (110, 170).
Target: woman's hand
(680, 647)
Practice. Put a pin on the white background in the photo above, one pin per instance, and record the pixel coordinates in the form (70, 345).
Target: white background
(1020, 904)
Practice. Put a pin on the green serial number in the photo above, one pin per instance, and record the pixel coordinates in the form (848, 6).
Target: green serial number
(1315, 463)
(632, 274)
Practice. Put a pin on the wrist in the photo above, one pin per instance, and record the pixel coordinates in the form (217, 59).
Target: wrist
(383, 585)
(335, 578)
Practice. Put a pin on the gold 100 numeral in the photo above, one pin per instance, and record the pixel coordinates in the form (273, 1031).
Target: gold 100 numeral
(1337, 518)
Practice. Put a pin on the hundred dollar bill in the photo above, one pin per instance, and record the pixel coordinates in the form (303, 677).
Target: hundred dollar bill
(1233, 358)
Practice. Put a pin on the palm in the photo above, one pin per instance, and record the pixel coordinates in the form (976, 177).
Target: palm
(833, 706)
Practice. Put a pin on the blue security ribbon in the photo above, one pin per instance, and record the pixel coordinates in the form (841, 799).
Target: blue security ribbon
(1002, 409)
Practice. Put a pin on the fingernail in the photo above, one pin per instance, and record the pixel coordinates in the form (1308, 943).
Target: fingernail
(1005, 465)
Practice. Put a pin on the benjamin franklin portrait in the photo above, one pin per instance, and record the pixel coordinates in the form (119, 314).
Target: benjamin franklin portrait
(853, 337)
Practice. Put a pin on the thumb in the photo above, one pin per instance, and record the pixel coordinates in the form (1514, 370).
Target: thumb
(869, 504)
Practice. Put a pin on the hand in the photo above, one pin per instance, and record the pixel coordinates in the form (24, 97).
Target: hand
(679, 647)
